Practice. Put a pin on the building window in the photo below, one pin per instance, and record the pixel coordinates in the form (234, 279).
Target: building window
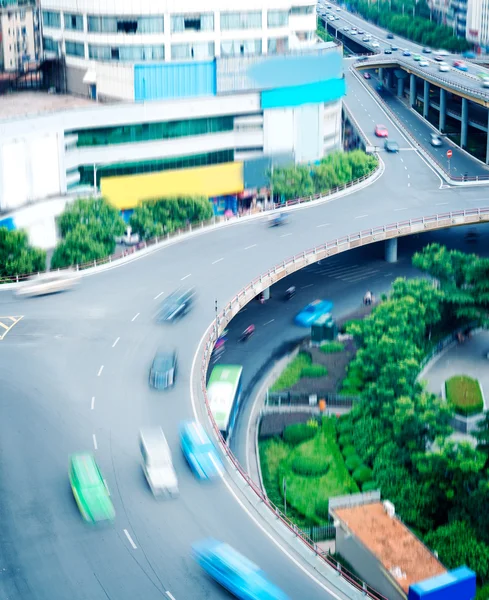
(127, 26)
(241, 47)
(302, 10)
(126, 53)
(305, 36)
(147, 132)
(200, 51)
(22, 15)
(75, 48)
(241, 20)
(51, 19)
(278, 45)
(73, 22)
(197, 22)
(278, 18)
(50, 45)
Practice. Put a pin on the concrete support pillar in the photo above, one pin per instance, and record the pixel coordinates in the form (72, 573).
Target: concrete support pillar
(381, 74)
(426, 99)
(412, 90)
(443, 110)
(266, 293)
(487, 138)
(465, 122)
(400, 87)
(391, 250)
(389, 79)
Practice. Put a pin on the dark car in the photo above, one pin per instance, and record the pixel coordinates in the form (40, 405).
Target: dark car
(390, 36)
(163, 369)
(176, 305)
(394, 48)
(387, 51)
(427, 50)
(391, 146)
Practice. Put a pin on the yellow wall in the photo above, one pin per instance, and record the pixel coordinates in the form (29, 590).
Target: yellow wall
(215, 180)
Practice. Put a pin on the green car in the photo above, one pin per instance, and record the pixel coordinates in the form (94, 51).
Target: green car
(89, 488)
(417, 57)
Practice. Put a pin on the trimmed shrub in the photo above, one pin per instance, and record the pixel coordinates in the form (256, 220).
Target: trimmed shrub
(314, 371)
(331, 347)
(464, 394)
(362, 474)
(370, 486)
(348, 451)
(322, 509)
(298, 433)
(345, 440)
(353, 462)
(310, 466)
(343, 425)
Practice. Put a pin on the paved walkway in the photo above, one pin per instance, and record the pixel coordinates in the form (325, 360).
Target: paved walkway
(468, 358)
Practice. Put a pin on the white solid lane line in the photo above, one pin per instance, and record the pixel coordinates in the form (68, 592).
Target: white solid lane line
(217, 261)
(92, 406)
(186, 277)
(323, 225)
(268, 322)
(361, 216)
(135, 317)
(131, 541)
(116, 342)
(95, 442)
(100, 371)
(160, 294)
(285, 234)
(248, 247)
(170, 595)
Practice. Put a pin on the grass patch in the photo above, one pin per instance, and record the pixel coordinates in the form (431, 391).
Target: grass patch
(305, 493)
(332, 347)
(464, 394)
(292, 372)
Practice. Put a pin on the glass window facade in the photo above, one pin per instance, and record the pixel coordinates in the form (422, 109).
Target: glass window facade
(202, 50)
(278, 18)
(147, 132)
(278, 45)
(240, 47)
(51, 19)
(197, 22)
(73, 22)
(128, 25)
(50, 45)
(302, 10)
(126, 53)
(241, 20)
(154, 166)
(75, 49)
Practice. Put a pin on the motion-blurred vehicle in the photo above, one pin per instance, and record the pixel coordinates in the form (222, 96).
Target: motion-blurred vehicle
(406, 53)
(416, 57)
(354, 32)
(424, 63)
(394, 48)
(312, 312)
(199, 451)
(163, 370)
(331, 17)
(366, 39)
(442, 53)
(362, 58)
(89, 489)
(391, 146)
(129, 238)
(484, 78)
(436, 140)
(381, 131)
(235, 572)
(48, 283)
(390, 36)
(224, 393)
(375, 44)
(444, 67)
(367, 76)
(157, 462)
(346, 29)
(276, 220)
(469, 54)
(460, 65)
(387, 51)
(427, 50)
(438, 57)
(176, 305)
(360, 32)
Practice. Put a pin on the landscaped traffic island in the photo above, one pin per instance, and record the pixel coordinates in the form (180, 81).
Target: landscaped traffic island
(465, 395)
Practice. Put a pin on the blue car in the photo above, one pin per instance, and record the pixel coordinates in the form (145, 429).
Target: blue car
(406, 53)
(199, 451)
(312, 312)
(234, 572)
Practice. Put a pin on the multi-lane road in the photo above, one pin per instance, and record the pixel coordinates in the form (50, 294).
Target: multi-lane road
(73, 376)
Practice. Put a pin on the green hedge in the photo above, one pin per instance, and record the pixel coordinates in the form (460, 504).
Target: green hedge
(345, 439)
(331, 347)
(348, 451)
(353, 462)
(370, 486)
(343, 425)
(298, 433)
(314, 371)
(322, 509)
(362, 474)
(464, 394)
(310, 466)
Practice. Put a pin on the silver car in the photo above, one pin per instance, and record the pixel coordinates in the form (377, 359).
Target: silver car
(436, 140)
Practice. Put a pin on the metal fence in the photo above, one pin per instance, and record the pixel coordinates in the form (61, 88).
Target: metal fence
(320, 533)
(301, 399)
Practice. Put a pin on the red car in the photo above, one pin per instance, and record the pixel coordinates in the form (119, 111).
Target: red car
(381, 131)
(367, 75)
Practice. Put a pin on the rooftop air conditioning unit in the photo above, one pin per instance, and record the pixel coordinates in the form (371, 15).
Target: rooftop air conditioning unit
(389, 509)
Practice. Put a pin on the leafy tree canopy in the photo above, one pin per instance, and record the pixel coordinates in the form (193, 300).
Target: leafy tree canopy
(78, 247)
(17, 257)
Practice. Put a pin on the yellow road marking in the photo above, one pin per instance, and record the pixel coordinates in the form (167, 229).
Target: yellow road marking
(13, 320)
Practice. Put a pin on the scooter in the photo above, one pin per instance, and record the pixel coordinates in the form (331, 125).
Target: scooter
(247, 333)
(290, 293)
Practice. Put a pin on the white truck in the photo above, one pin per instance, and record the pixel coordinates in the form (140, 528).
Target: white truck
(157, 462)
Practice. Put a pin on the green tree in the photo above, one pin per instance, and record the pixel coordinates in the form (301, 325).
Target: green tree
(457, 544)
(78, 247)
(292, 182)
(482, 436)
(17, 257)
(143, 222)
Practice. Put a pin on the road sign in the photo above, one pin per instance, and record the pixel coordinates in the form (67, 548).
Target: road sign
(449, 154)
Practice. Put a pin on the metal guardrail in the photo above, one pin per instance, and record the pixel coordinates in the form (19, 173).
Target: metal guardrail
(302, 399)
(191, 227)
(434, 163)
